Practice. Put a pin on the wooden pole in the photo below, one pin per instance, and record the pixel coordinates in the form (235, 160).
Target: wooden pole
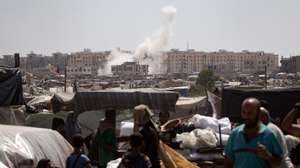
(266, 80)
(65, 88)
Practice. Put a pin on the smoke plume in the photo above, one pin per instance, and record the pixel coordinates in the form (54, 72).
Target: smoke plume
(150, 51)
(116, 57)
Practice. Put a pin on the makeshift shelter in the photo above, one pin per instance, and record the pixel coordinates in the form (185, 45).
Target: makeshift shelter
(281, 101)
(23, 143)
(215, 103)
(11, 92)
(40, 102)
(163, 101)
(189, 105)
(88, 121)
(12, 115)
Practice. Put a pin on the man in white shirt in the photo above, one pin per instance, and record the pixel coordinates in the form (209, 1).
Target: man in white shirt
(265, 118)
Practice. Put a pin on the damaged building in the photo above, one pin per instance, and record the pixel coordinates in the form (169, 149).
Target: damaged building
(129, 69)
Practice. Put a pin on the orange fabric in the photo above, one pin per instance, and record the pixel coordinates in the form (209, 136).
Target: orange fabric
(179, 160)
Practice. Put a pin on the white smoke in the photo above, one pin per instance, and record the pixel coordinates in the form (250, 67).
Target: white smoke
(116, 57)
(150, 50)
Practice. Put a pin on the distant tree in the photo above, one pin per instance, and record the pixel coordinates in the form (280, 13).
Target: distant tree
(206, 79)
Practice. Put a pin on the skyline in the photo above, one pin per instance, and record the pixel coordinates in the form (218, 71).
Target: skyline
(207, 25)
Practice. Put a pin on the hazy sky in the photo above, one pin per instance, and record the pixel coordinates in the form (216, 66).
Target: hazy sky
(47, 26)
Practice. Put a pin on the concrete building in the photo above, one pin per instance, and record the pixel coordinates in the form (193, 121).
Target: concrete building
(185, 61)
(290, 65)
(86, 62)
(221, 62)
(7, 61)
(34, 61)
(128, 69)
(59, 60)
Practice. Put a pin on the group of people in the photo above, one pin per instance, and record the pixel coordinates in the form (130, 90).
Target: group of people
(258, 142)
(144, 142)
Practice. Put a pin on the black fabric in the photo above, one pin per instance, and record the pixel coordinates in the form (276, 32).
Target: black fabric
(295, 155)
(69, 165)
(281, 101)
(151, 143)
(124, 99)
(11, 91)
(134, 160)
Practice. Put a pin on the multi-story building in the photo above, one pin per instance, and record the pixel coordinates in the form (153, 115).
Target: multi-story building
(8, 61)
(128, 69)
(59, 61)
(185, 61)
(35, 61)
(86, 62)
(220, 62)
(290, 65)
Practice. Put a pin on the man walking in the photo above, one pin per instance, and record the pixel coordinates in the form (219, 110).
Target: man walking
(252, 144)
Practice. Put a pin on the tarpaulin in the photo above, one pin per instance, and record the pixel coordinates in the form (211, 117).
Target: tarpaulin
(19, 143)
(12, 115)
(281, 101)
(118, 99)
(124, 99)
(216, 104)
(11, 91)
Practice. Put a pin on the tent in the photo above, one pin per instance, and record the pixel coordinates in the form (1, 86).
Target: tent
(281, 101)
(88, 121)
(19, 143)
(118, 99)
(11, 92)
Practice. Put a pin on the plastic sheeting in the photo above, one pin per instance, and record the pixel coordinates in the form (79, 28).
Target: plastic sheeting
(281, 101)
(126, 128)
(40, 102)
(216, 104)
(88, 121)
(204, 122)
(11, 91)
(198, 138)
(20, 143)
(124, 99)
(189, 105)
(114, 163)
(117, 99)
(12, 115)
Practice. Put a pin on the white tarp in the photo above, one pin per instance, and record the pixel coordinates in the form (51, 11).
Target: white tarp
(126, 128)
(114, 163)
(18, 143)
(189, 105)
(43, 99)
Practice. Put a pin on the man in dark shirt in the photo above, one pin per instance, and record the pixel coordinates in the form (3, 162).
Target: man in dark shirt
(147, 128)
(151, 140)
(134, 158)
